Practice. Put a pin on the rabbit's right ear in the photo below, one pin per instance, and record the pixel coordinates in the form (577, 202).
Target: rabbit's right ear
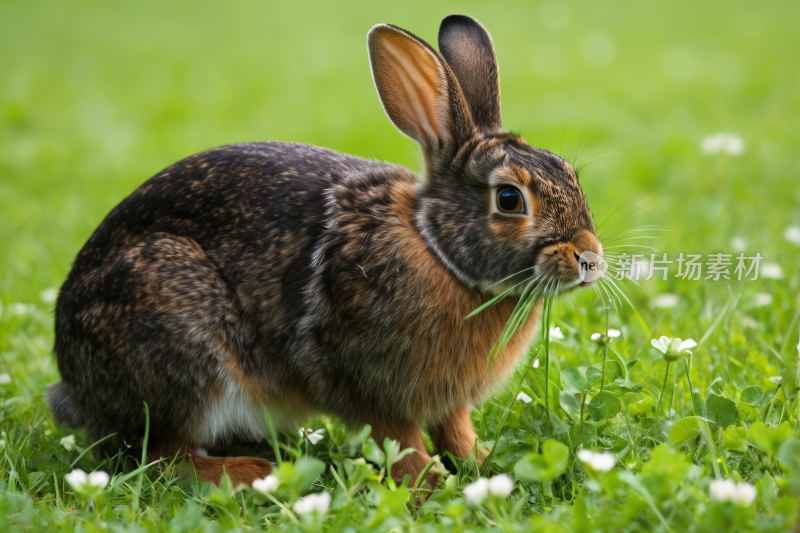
(469, 51)
(418, 91)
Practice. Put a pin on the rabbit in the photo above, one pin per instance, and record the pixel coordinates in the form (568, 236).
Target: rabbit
(294, 279)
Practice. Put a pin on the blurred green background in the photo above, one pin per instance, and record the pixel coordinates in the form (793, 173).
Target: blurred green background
(96, 97)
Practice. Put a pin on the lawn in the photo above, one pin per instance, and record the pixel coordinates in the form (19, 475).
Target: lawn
(96, 97)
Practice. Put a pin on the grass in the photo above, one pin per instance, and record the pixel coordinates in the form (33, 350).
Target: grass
(95, 97)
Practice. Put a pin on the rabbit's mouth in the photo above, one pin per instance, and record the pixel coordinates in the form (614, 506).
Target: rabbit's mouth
(572, 264)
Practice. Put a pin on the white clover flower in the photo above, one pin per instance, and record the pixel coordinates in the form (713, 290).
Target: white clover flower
(772, 271)
(762, 299)
(722, 490)
(77, 478)
(87, 483)
(524, 398)
(738, 244)
(5, 379)
(501, 485)
(99, 479)
(556, 334)
(722, 143)
(665, 301)
(746, 494)
(68, 442)
(743, 494)
(266, 485)
(673, 349)
(313, 436)
(316, 504)
(792, 235)
(476, 492)
(598, 462)
(49, 296)
(604, 338)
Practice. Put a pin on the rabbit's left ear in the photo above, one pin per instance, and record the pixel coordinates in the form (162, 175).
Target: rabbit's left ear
(418, 91)
(469, 51)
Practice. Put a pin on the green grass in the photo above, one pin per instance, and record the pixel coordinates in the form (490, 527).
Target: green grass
(95, 97)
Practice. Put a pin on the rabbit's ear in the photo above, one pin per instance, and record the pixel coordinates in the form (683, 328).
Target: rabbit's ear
(417, 90)
(468, 49)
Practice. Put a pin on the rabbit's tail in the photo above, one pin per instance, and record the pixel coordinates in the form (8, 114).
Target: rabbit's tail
(63, 407)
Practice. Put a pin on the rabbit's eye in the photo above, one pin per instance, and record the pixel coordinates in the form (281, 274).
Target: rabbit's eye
(509, 200)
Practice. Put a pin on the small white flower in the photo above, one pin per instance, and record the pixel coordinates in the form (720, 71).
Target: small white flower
(738, 244)
(792, 235)
(266, 485)
(604, 338)
(536, 363)
(726, 143)
(524, 398)
(313, 436)
(48, 296)
(68, 442)
(476, 492)
(501, 485)
(5, 379)
(687, 344)
(743, 494)
(673, 348)
(772, 271)
(81, 482)
(98, 479)
(77, 478)
(313, 504)
(665, 301)
(762, 299)
(556, 334)
(746, 494)
(598, 462)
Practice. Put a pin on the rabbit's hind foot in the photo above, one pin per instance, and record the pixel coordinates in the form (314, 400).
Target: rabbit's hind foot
(197, 464)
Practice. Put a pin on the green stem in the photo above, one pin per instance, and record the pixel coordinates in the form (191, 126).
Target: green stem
(144, 455)
(663, 388)
(274, 437)
(769, 409)
(689, 379)
(583, 402)
(605, 355)
(488, 458)
(547, 304)
(672, 398)
(630, 431)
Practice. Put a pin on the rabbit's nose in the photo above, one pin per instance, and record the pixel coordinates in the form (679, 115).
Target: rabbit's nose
(587, 253)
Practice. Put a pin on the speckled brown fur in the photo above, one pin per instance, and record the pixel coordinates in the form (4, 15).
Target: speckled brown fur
(293, 277)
